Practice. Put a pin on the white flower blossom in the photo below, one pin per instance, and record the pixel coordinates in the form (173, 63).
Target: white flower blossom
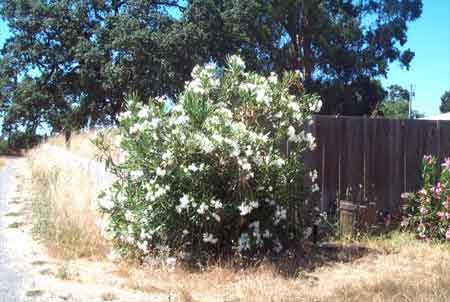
(184, 203)
(193, 168)
(216, 204)
(247, 208)
(316, 106)
(236, 61)
(279, 162)
(209, 238)
(160, 172)
(136, 174)
(143, 246)
(202, 208)
(315, 188)
(291, 133)
(124, 115)
(313, 175)
(273, 78)
(143, 112)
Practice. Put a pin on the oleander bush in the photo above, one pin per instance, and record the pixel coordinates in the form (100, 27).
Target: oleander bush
(427, 212)
(209, 172)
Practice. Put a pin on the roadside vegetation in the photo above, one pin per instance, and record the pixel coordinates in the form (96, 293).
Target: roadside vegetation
(61, 207)
(82, 143)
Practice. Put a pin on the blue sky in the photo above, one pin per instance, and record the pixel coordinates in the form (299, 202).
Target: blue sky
(429, 38)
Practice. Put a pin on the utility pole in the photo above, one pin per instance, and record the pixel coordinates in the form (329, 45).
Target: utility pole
(411, 98)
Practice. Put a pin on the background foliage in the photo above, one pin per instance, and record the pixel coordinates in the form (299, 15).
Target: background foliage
(69, 64)
(396, 104)
(445, 102)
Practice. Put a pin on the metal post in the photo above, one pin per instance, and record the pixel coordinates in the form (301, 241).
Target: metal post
(411, 97)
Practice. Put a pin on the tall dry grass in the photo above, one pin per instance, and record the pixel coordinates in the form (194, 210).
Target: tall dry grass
(81, 143)
(62, 212)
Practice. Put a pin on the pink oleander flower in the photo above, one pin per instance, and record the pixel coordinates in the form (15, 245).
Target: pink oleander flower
(446, 204)
(423, 210)
(441, 215)
(437, 190)
(428, 159)
(447, 234)
(446, 163)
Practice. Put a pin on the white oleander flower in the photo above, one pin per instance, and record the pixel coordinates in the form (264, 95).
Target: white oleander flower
(209, 238)
(202, 208)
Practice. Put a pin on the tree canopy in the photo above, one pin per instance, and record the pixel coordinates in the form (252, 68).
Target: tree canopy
(396, 104)
(70, 63)
(445, 102)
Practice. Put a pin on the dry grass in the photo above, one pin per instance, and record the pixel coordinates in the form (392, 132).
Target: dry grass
(62, 212)
(80, 144)
(394, 268)
(412, 271)
(398, 268)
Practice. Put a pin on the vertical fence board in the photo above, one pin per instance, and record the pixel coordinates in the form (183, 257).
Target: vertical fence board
(422, 137)
(351, 151)
(378, 162)
(444, 133)
(395, 163)
(330, 162)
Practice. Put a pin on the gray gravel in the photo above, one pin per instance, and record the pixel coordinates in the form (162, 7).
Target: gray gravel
(10, 280)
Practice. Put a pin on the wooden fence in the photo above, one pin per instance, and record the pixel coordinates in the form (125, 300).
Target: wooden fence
(372, 160)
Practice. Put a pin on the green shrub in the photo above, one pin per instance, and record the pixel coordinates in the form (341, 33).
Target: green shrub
(427, 212)
(211, 175)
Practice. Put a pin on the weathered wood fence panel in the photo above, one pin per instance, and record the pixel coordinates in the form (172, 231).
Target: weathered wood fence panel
(373, 160)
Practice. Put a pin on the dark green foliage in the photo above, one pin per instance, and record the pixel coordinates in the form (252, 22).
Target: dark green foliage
(83, 56)
(445, 102)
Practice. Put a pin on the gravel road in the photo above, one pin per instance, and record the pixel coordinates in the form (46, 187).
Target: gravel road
(10, 279)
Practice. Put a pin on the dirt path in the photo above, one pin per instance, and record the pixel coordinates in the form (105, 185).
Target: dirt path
(11, 280)
(27, 273)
